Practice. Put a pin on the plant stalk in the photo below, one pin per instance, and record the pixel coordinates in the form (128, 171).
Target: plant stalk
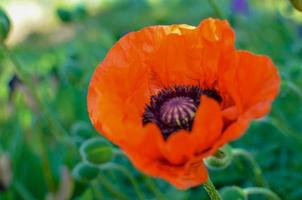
(215, 8)
(211, 190)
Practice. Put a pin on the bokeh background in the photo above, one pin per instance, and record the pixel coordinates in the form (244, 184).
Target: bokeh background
(58, 44)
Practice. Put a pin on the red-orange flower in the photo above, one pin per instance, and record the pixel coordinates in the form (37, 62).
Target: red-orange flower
(170, 96)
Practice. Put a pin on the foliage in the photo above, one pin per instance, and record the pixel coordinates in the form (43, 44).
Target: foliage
(43, 139)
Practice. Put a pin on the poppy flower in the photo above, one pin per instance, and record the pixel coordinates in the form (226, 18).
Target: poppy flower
(170, 96)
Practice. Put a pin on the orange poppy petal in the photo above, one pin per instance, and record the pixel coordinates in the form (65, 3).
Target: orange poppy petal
(215, 30)
(193, 57)
(182, 145)
(253, 83)
(207, 124)
(234, 131)
(122, 83)
(179, 147)
(193, 173)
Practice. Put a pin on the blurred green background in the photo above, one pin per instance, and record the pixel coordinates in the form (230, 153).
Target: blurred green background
(59, 43)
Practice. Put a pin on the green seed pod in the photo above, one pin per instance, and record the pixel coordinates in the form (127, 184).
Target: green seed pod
(5, 25)
(65, 15)
(221, 159)
(96, 151)
(85, 172)
(297, 4)
(232, 193)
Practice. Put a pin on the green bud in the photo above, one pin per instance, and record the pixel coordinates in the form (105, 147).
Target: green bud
(96, 151)
(81, 129)
(221, 159)
(64, 15)
(297, 4)
(85, 172)
(232, 193)
(5, 25)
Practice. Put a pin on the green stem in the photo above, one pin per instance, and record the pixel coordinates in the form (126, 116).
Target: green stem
(151, 185)
(112, 189)
(127, 173)
(19, 73)
(259, 179)
(294, 88)
(23, 192)
(285, 129)
(96, 190)
(215, 8)
(149, 182)
(263, 191)
(30, 85)
(45, 164)
(211, 190)
(28, 82)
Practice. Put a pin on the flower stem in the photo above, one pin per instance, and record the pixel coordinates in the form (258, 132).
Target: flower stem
(265, 192)
(151, 185)
(127, 173)
(149, 182)
(211, 190)
(294, 88)
(285, 129)
(112, 189)
(19, 72)
(59, 132)
(259, 180)
(215, 8)
(22, 191)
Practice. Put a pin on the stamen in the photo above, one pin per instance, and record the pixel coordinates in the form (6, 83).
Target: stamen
(177, 111)
(174, 108)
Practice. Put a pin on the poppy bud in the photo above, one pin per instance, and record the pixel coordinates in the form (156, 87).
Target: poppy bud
(5, 172)
(5, 25)
(81, 129)
(233, 192)
(297, 4)
(96, 151)
(85, 172)
(221, 159)
(64, 15)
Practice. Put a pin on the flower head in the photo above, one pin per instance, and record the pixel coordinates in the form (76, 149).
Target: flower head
(170, 96)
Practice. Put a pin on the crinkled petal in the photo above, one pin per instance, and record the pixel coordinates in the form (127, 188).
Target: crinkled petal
(208, 124)
(179, 147)
(253, 83)
(191, 174)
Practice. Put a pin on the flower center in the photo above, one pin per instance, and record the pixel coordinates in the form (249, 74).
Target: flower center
(174, 108)
(178, 111)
